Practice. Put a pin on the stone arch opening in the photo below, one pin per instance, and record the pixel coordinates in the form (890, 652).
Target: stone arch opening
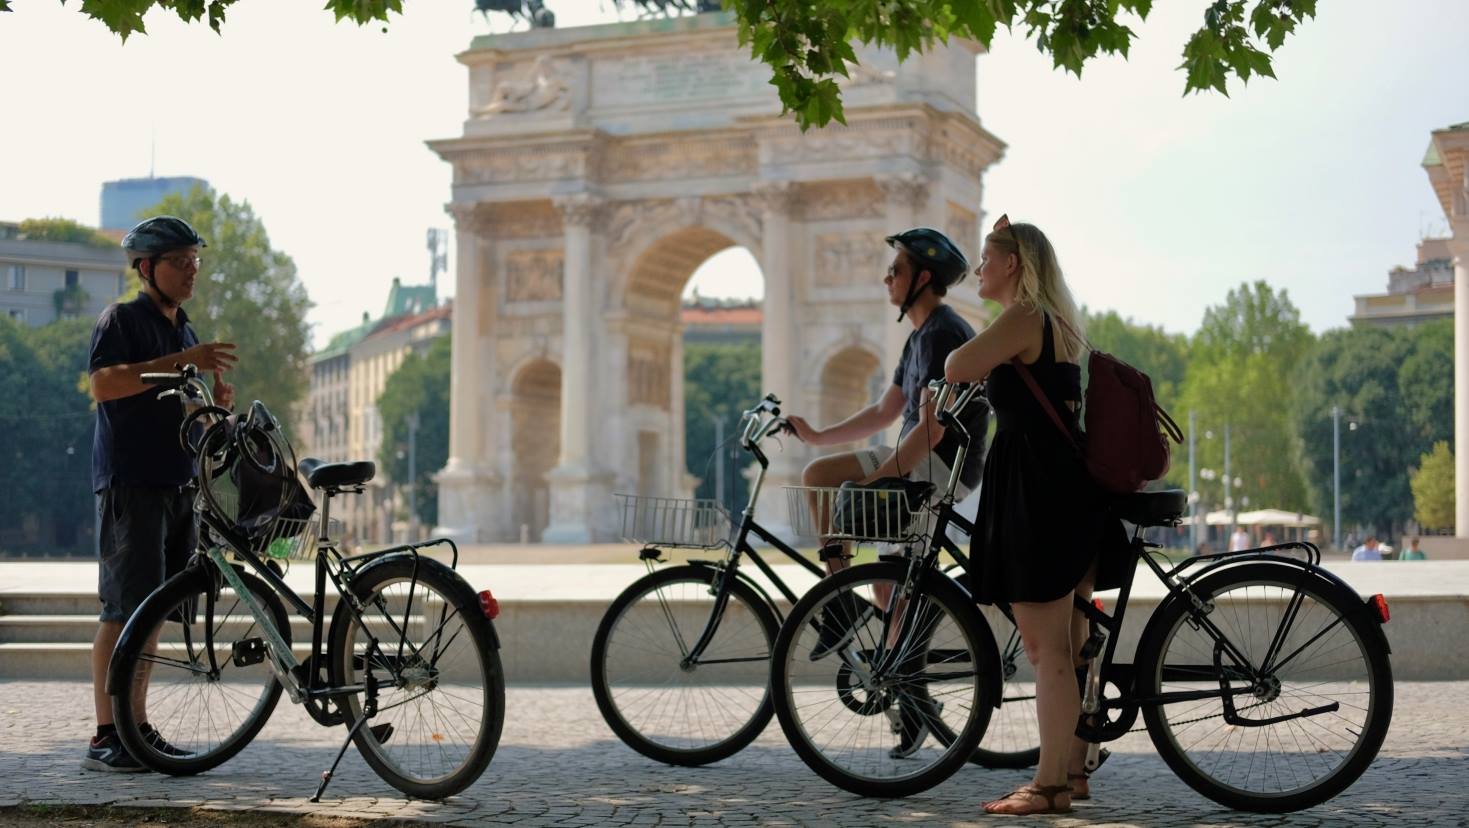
(676, 434)
(535, 421)
(851, 379)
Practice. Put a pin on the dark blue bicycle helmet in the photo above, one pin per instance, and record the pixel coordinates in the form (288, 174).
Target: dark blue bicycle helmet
(929, 250)
(154, 237)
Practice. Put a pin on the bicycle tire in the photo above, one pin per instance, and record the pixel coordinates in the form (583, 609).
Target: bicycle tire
(964, 710)
(1328, 613)
(695, 741)
(1012, 739)
(457, 645)
(181, 599)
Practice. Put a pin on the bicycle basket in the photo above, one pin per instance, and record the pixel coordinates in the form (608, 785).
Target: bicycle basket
(884, 511)
(295, 538)
(673, 522)
(247, 477)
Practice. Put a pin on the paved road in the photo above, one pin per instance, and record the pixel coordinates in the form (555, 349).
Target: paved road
(558, 764)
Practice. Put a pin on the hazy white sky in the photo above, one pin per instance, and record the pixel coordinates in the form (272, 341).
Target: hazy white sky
(1158, 204)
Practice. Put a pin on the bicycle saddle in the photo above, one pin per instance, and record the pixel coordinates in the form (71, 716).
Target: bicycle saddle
(323, 475)
(1163, 508)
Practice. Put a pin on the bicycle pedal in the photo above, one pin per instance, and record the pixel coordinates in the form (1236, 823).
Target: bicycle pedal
(247, 652)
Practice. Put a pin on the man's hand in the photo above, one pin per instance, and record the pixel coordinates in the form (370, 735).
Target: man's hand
(803, 430)
(224, 393)
(210, 356)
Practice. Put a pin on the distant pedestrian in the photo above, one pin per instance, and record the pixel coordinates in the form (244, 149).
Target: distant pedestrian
(1413, 553)
(1240, 540)
(1370, 550)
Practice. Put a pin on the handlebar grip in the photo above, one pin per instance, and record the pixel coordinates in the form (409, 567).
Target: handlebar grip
(162, 378)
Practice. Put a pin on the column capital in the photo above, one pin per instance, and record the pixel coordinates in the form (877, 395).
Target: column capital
(904, 189)
(779, 197)
(467, 217)
(581, 209)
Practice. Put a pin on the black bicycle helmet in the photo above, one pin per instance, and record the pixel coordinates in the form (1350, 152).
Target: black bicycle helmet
(154, 237)
(158, 235)
(930, 250)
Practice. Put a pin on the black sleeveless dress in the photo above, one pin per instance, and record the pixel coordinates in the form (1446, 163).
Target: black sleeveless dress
(1041, 520)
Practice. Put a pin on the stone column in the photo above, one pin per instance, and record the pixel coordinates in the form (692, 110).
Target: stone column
(577, 487)
(466, 487)
(1459, 246)
(905, 194)
(780, 344)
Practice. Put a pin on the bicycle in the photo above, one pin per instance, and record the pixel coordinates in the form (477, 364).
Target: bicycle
(1188, 670)
(409, 662)
(714, 699)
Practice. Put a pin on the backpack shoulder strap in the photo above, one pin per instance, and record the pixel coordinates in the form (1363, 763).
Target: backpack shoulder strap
(1040, 397)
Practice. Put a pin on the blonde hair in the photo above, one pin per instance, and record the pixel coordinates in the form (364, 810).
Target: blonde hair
(1041, 284)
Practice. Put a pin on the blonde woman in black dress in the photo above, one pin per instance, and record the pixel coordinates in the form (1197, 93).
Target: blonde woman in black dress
(1041, 522)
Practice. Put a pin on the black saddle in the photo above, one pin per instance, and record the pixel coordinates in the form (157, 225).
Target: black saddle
(1164, 508)
(323, 475)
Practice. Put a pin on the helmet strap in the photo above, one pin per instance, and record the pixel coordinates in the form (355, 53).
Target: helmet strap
(163, 298)
(914, 290)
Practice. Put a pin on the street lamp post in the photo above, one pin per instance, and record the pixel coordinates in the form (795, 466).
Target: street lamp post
(413, 477)
(1336, 477)
(1193, 488)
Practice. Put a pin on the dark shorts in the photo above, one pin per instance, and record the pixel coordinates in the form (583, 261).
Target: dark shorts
(144, 535)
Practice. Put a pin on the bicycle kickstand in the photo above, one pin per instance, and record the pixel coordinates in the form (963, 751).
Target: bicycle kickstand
(326, 775)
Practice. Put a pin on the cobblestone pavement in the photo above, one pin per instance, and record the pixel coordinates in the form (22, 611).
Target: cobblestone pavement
(558, 764)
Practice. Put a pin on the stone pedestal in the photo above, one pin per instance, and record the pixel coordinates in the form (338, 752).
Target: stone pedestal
(469, 503)
(581, 507)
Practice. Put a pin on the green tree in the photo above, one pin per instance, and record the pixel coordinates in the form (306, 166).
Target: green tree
(247, 293)
(1241, 363)
(1425, 381)
(720, 382)
(807, 44)
(421, 386)
(1357, 370)
(1160, 355)
(63, 230)
(46, 417)
(1433, 488)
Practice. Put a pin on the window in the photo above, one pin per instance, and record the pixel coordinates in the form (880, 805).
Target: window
(17, 277)
(71, 278)
(18, 314)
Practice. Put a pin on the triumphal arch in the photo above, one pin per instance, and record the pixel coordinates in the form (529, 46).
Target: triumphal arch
(598, 168)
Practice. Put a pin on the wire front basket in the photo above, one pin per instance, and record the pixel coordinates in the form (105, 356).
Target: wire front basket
(673, 522)
(295, 538)
(853, 513)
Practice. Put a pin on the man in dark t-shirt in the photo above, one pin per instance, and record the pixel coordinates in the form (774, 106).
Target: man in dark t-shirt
(145, 526)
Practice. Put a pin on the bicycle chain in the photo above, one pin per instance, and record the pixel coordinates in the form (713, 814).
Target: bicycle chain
(1201, 718)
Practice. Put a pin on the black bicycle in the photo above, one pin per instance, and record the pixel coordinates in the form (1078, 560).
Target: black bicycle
(680, 660)
(409, 662)
(1263, 679)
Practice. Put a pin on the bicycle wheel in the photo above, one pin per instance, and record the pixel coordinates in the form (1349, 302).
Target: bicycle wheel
(684, 714)
(426, 651)
(177, 710)
(861, 717)
(1304, 726)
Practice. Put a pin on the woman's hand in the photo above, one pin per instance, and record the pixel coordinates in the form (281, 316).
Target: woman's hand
(803, 430)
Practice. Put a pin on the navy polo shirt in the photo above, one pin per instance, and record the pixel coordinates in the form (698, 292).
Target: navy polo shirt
(136, 442)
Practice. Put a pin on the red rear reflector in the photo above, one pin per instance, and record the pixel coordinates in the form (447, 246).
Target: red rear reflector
(1379, 603)
(1097, 602)
(488, 605)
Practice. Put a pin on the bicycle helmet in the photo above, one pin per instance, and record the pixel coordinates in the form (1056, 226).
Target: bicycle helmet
(929, 250)
(156, 236)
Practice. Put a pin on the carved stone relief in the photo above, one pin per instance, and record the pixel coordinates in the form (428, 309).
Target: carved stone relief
(849, 258)
(842, 200)
(533, 276)
(524, 164)
(645, 160)
(623, 219)
(542, 85)
(962, 226)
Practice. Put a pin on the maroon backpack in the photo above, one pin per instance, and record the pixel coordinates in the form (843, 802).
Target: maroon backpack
(1127, 432)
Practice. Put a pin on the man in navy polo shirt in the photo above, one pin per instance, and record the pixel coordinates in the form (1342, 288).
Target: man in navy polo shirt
(145, 516)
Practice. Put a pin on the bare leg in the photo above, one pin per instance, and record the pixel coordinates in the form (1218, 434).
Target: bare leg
(1076, 766)
(830, 471)
(1046, 630)
(102, 646)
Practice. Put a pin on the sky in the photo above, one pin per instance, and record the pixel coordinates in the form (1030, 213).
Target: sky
(1158, 204)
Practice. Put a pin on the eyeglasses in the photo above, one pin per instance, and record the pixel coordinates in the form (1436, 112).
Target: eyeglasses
(183, 262)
